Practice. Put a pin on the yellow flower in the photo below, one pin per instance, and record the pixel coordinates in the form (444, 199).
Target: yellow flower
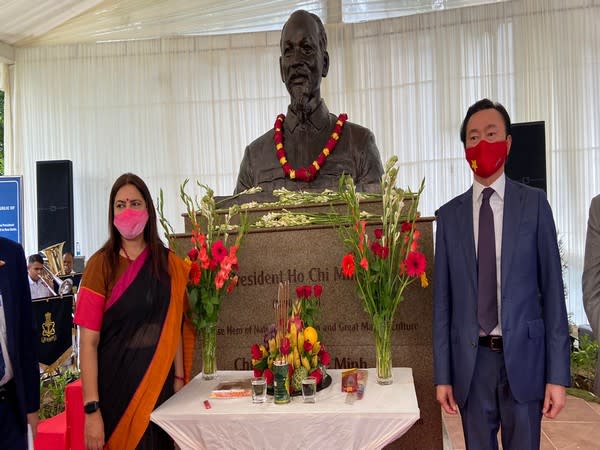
(424, 281)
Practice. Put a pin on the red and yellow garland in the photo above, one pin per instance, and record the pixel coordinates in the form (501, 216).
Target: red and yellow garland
(306, 173)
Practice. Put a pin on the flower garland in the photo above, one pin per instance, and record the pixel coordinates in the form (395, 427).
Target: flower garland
(306, 173)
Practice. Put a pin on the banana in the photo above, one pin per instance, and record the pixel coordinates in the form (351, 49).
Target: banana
(315, 361)
(316, 348)
(293, 334)
(305, 363)
(272, 345)
(301, 342)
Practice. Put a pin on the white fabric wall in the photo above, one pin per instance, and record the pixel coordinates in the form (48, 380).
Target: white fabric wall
(176, 108)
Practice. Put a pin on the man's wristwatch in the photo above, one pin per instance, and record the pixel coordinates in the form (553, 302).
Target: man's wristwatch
(91, 407)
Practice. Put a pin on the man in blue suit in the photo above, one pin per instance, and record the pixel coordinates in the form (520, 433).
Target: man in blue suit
(501, 342)
(19, 370)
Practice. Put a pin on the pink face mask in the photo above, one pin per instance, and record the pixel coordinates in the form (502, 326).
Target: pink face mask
(131, 222)
(486, 157)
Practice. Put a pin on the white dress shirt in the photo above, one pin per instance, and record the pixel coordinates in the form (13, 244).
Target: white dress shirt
(38, 289)
(8, 372)
(497, 205)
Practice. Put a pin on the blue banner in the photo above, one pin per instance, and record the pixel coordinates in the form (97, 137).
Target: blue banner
(11, 211)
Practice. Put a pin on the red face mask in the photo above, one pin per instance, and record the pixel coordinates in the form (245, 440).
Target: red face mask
(486, 157)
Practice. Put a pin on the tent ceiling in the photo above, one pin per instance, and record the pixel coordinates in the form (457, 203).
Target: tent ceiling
(48, 22)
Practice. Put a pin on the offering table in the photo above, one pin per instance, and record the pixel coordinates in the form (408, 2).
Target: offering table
(336, 420)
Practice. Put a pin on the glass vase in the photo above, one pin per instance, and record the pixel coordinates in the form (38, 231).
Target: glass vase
(383, 348)
(208, 337)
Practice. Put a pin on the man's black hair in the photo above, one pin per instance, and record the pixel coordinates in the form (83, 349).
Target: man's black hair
(480, 106)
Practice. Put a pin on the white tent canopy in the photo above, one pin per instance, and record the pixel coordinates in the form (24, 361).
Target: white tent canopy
(147, 87)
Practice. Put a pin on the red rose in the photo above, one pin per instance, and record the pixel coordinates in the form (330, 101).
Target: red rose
(378, 233)
(256, 352)
(258, 372)
(317, 374)
(318, 289)
(376, 248)
(307, 291)
(268, 376)
(193, 254)
(307, 346)
(300, 291)
(348, 265)
(325, 358)
(384, 252)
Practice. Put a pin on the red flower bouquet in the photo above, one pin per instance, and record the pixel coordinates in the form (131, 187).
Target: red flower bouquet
(213, 265)
(385, 263)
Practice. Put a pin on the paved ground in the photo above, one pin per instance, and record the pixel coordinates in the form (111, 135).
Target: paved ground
(577, 427)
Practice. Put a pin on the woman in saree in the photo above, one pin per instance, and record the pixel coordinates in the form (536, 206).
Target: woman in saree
(135, 344)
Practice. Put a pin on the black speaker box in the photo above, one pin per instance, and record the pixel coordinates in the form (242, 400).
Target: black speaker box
(526, 162)
(55, 204)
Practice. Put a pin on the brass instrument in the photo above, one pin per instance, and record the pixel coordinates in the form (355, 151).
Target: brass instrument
(53, 266)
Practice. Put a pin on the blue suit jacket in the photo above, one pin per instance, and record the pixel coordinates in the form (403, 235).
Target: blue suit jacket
(20, 329)
(533, 318)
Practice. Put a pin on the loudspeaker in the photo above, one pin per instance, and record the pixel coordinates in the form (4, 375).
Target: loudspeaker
(526, 161)
(55, 204)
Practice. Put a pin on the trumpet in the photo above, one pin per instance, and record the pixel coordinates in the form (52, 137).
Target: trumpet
(52, 267)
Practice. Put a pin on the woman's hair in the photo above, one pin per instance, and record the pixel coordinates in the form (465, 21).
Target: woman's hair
(156, 249)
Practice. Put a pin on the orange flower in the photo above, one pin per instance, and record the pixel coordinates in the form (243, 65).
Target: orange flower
(364, 263)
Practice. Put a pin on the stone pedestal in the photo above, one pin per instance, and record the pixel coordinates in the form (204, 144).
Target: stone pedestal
(313, 255)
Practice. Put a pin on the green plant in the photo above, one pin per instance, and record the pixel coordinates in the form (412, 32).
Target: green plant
(583, 364)
(52, 393)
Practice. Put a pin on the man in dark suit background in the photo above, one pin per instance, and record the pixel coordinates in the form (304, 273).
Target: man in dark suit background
(590, 279)
(19, 372)
(501, 342)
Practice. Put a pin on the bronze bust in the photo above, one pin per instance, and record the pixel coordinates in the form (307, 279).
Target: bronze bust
(308, 155)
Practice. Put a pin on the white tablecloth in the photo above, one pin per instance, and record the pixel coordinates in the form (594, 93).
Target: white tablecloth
(335, 421)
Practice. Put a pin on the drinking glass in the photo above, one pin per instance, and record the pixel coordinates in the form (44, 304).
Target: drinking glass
(259, 389)
(309, 389)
